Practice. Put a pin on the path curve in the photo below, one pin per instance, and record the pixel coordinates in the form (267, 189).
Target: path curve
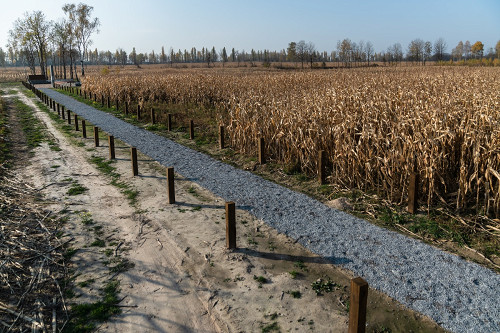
(459, 295)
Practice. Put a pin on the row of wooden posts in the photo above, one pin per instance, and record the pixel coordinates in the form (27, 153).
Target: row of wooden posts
(322, 157)
(359, 287)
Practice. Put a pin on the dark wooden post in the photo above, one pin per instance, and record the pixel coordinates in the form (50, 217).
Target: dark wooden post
(96, 136)
(102, 100)
(85, 94)
(116, 103)
(126, 107)
(191, 129)
(58, 109)
(153, 116)
(230, 225)
(135, 167)
(111, 142)
(322, 167)
(169, 122)
(84, 129)
(413, 193)
(62, 112)
(138, 112)
(262, 152)
(90, 95)
(170, 185)
(357, 305)
(108, 103)
(221, 137)
(68, 112)
(76, 122)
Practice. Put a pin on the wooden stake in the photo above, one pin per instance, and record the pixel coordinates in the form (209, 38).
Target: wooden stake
(138, 112)
(357, 307)
(322, 167)
(153, 116)
(76, 122)
(96, 136)
(68, 112)
(126, 107)
(84, 129)
(191, 130)
(262, 152)
(62, 112)
(111, 143)
(230, 225)
(221, 137)
(102, 100)
(116, 103)
(108, 103)
(170, 185)
(58, 109)
(169, 122)
(413, 193)
(135, 167)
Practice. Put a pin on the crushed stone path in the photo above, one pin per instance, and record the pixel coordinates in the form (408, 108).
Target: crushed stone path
(459, 295)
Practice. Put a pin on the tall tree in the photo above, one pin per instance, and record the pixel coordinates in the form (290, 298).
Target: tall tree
(477, 49)
(344, 50)
(223, 55)
(427, 51)
(497, 49)
(369, 51)
(416, 50)
(458, 51)
(467, 49)
(291, 52)
(439, 48)
(30, 35)
(302, 54)
(3, 55)
(133, 56)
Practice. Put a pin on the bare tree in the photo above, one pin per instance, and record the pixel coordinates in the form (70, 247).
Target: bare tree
(416, 50)
(439, 48)
(311, 52)
(369, 51)
(301, 51)
(427, 51)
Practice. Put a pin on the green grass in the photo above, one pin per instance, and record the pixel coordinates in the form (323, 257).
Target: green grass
(295, 293)
(30, 125)
(85, 317)
(5, 146)
(273, 327)
(76, 189)
(98, 243)
(321, 286)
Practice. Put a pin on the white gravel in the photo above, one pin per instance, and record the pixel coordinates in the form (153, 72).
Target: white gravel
(460, 296)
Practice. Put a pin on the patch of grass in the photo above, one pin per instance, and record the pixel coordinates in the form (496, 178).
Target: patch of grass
(76, 189)
(260, 280)
(196, 208)
(122, 266)
(86, 218)
(31, 126)
(321, 286)
(98, 243)
(300, 265)
(86, 283)
(108, 252)
(69, 253)
(294, 274)
(84, 317)
(273, 327)
(295, 293)
(193, 192)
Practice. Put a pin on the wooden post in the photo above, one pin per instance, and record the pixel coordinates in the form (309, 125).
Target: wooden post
(169, 122)
(76, 122)
(262, 152)
(357, 305)
(170, 185)
(413, 193)
(126, 107)
(230, 225)
(68, 113)
(84, 129)
(108, 103)
(111, 142)
(90, 95)
(191, 129)
(116, 103)
(221, 137)
(102, 100)
(138, 112)
(62, 112)
(58, 109)
(85, 94)
(135, 167)
(96, 136)
(153, 116)
(322, 167)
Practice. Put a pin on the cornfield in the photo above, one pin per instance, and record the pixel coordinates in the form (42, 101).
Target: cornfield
(376, 125)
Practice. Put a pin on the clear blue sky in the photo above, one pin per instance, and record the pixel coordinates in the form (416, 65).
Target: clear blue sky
(272, 24)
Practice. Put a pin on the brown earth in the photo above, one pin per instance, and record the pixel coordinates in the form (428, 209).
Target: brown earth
(177, 275)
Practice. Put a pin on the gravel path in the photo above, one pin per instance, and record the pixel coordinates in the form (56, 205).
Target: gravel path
(459, 295)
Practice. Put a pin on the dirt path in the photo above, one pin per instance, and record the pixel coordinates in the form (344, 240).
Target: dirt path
(174, 271)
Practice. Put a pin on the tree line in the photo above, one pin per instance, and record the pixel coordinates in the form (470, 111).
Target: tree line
(34, 41)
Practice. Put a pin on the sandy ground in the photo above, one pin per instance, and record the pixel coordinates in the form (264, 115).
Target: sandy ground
(180, 276)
